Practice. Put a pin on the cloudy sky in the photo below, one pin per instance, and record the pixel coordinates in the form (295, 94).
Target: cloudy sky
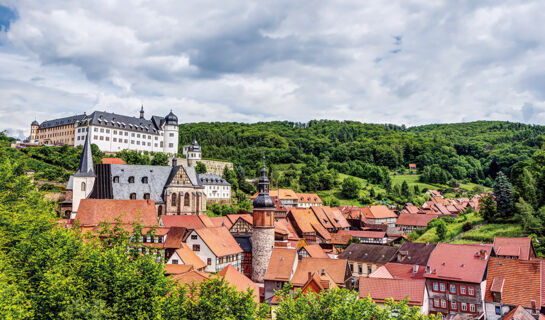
(405, 62)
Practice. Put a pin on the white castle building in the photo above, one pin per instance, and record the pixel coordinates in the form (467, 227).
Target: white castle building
(114, 132)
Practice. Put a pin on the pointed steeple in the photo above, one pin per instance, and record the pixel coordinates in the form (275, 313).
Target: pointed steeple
(86, 165)
(263, 199)
(142, 112)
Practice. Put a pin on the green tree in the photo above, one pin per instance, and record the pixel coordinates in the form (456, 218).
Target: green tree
(159, 159)
(351, 188)
(503, 191)
(200, 167)
(441, 230)
(526, 216)
(488, 208)
(405, 189)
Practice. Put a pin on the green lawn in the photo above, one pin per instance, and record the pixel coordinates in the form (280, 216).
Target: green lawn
(486, 233)
(412, 179)
(453, 229)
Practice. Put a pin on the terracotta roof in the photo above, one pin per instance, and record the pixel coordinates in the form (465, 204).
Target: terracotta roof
(186, 221)
(519, 281)
(318, 282)
(234, 217)
(339, 238)
(414, 253)
(306, 222)
(416, 220)
(221, 222)
(285, 224)
(206, 220)
(308, 198)
(466, 265)
(378, 212)
(515, 247)
(322, 217)
(239, 281)
(92, 212)
(189, 257)
(336, 217)
(393, 270)
(282, 194)
(113, 161)
(192, 276)
(315, 251)
(175, 236)
(368, 253)
(397, 289)
(336, 268)
(281, 264)
(364, 234)
(177, 268)
(219, 240)
(412, 165)
(519, 313)
(412, 209)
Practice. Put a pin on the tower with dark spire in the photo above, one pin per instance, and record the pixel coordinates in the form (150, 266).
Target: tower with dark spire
(142, 112)
(84, 179)
(263, 232)
(194, 154)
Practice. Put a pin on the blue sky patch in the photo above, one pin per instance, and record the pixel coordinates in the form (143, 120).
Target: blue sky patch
(7, 16)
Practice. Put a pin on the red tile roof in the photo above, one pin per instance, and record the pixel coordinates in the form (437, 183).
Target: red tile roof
(364, 234)
(415, 220)
(466, 265)
(189, 257)
(322, 217)
(397, 289)
(192, 276)
(239, 281)
(340, 239)
(177, 268)
(378, 212)
(281, 264)
(336, 268)
(308, 223)
(519, 281)
(175, 237)
(113, 161)
(219, 240)
(92, 212)
(186, 221)
(221, 222)
(315, 251)
(247, 217)
(519, 313)
(394, 270)
(309, 198)
(514, 247)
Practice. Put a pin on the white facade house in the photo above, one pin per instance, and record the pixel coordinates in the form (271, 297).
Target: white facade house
(216, 188)
(113, 133)
(216, 247)
(84, 179)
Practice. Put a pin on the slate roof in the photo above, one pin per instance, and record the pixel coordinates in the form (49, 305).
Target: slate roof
(245, 243)
(211, 179)
(398, 289)
(465, 265)
(136, 124)
(336, 268)
(92, 212)
(61, 121)
(368, 253)
(86, 167)
(414, 253)
(519, 281)
(281, 264)
(157, 180)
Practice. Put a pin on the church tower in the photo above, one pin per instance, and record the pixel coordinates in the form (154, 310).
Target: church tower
(34, 126)
(194, 154)
(263, 233)
(171, 134)
(84, 179)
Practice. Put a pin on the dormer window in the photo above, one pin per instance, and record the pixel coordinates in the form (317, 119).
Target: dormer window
(133, 196)
(144, 179)
(116, 179)
(146, 196)
(131, 179)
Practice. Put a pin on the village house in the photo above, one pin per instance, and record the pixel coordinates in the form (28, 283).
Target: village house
(375, 237)
(380, 289)
(307, 200)
(281, 268)
(287, 197)
(307, 226)
(513, 248)
(409, 222)
(456, 278)
(414, 253)
(330, 218)
(241, 282)
(512, 283)
(216, 247)
(363, 259)
(337, 269)
(393, 270)
(380, 215)
(311, 251)
(185, 256)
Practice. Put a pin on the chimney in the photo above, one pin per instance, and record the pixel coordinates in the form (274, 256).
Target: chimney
(174, 162)
(415, 268)
(534, 309)
(482, 254)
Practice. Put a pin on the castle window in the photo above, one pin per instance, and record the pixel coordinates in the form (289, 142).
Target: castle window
(131, 179)
(116, 179)
(173, 201)
(83, 186)
(133, 196)
(186, 200)
(144, 179)
(146, 196)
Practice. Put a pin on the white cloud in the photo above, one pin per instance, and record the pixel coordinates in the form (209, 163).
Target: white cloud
(405, 62)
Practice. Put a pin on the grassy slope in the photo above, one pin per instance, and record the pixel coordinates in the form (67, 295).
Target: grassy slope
(453, 229)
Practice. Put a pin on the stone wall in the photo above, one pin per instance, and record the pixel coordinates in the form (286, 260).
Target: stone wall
(262, 246)
(212, 166)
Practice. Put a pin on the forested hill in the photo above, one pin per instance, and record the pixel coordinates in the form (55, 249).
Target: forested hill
(473, 151)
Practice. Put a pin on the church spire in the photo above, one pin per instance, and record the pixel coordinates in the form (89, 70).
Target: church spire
(142, 112)
(86, 166)
(263, 199)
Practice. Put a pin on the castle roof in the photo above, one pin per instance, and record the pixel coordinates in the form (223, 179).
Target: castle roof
(113, 120)
(60, 121)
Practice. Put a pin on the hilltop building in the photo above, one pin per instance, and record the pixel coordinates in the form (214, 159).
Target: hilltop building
(55, 132)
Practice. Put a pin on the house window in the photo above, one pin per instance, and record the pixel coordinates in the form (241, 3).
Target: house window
(471, 291)
(83, 186)
(171, 145)
(116, 179)
(453, 305)
(144, 179)
(436, 303)
(462, 289)
(193, 237)
(146, 196)
(160, 210)
(209, 261)
(435, 286)
(173, 200)
(442, 287)
(133, 196)
(186, 200)
(196, 247)
(443, 304)
(471, 308)
(131, 179)
(174, 261)
(360, 269)
(498, 310)
(351, 268)
(369, 269)
(464, 306)
(452, 288)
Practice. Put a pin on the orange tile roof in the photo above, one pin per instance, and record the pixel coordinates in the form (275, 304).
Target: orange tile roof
(336, 268)
(113, 161)
(186, 221)
(466, 265)
(414, 219)
(306, 222)
(190, 277)
(221, 222)
(281, 264)
(340, 238)
(364, 234)
(378, 212)
(398, 289)
(239, 281)
(322, 217)
(519, 313)
(518, 280)
(189, 257)
(394, 270)
(175, 237)
(92, 212)
(515, 247)
(234, 217)
(206, 220)
(282, 194)
(285, 224)
(177, 268)
(318, 282)
(336, 217)
(219, 240)
(308, 198)
(315, 251)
